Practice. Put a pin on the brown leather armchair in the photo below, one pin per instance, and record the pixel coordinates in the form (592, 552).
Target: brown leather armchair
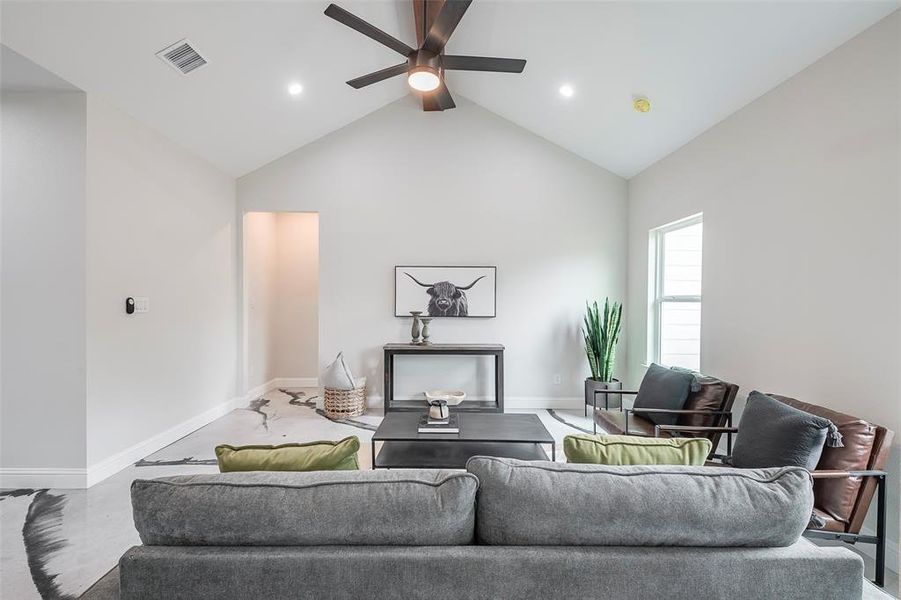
(845, 480)
(709, 408)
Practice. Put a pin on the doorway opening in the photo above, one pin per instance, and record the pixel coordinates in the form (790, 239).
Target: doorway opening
(281, 300)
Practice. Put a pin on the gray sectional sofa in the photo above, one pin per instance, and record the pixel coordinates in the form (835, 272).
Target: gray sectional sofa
(504, 529)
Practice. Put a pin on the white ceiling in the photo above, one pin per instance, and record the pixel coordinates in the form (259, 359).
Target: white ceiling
(18, 74)
(698, 62)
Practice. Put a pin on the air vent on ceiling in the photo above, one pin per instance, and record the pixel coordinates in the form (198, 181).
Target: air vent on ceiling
(182, 56)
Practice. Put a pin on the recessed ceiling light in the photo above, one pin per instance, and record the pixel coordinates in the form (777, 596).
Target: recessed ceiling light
(641, 104)
(295, 89)
(567, 91)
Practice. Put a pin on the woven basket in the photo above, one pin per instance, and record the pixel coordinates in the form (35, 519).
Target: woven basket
(340, 404)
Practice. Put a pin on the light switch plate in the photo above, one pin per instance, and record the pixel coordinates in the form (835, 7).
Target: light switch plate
(142, 304)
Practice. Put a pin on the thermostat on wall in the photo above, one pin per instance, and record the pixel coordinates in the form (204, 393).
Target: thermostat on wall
(138, 304)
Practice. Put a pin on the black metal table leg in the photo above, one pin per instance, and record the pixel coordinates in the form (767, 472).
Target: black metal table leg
(372, 443)
(880, 531)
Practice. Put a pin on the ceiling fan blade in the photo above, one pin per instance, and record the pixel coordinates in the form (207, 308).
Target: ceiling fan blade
(378, 76)
(483, 63)
(444, 25)
(440, 99)
(354, 22)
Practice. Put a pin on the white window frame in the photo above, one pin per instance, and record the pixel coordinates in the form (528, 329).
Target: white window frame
(655, 283)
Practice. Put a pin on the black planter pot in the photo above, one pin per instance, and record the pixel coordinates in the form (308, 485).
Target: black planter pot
(612, 400)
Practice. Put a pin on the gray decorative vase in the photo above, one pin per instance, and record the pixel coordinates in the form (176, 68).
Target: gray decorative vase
(425, 329)
(613, 400)
(414, 332)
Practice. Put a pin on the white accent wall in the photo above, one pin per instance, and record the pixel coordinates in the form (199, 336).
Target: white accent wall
(260, 271)
(463, 187)
(161, 223)
(295, 329)
(802, 263)
(42, 380)
(281, 298)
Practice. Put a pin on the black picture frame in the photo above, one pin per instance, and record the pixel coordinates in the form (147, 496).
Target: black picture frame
(491, 268)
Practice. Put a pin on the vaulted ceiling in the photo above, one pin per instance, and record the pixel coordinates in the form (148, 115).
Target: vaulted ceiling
(698, 62)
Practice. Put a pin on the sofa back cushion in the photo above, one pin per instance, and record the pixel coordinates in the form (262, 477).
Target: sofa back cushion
(837, 497)
(406, 508)
(546, 503)
(635, 450)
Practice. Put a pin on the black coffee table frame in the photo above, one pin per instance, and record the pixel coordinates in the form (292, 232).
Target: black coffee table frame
(481, 434)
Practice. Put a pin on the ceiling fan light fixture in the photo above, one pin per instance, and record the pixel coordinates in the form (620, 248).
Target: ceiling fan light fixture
(423, 79)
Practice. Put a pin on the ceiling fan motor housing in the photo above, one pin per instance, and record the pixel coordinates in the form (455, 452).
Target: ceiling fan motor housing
(423, 59)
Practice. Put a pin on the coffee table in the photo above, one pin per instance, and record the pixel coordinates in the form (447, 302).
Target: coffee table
(481, 434)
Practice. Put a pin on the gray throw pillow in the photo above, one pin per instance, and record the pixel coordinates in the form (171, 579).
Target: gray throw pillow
(774, 434)
(663, 388)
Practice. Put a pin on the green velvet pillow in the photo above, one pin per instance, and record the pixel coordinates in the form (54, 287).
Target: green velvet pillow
(312, 456)
(634, 450)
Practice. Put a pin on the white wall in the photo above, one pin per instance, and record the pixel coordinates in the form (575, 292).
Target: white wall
(401, 186)
(260, 266)
(160, 223)
(281, 297)
(295, 324)
(43, 285)
(802, 264)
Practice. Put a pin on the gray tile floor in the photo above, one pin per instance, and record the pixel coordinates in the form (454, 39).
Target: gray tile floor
(94, 527)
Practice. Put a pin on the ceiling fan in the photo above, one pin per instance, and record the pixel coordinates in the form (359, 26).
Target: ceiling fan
(436, 21)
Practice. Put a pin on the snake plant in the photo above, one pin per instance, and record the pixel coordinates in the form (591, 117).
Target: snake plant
(601, 336)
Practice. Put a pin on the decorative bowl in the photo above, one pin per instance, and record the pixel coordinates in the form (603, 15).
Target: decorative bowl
(452, 397)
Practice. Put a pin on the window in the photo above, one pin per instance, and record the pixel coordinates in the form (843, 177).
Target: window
(674, 329)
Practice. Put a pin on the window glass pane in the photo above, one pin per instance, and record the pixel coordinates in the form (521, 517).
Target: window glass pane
(682, 261)
(680, 334)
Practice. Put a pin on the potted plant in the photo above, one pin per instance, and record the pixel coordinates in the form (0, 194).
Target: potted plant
(601, 332)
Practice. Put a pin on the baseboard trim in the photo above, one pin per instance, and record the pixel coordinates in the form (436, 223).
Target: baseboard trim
(38, 477)
(294, 382)
(572, 402)
(115, 463)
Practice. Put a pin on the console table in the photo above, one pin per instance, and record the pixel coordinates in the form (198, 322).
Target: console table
(495, 350)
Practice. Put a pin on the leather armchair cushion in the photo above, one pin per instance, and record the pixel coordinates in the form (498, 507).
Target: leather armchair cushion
(831, 524)
(837, 497)
(709, 397)
(615, 422)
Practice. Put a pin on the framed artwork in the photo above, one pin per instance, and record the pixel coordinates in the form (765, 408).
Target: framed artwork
(458, 292)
